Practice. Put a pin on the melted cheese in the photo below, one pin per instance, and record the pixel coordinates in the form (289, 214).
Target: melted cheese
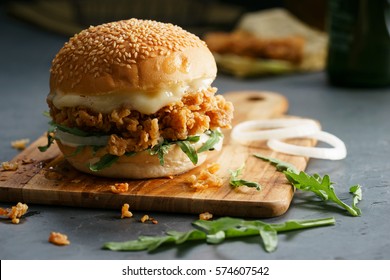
(144, 102)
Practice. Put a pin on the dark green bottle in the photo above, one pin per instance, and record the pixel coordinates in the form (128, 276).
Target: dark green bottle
(359, 43)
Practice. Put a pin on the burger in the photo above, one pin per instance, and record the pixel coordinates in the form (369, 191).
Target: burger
(133, 99)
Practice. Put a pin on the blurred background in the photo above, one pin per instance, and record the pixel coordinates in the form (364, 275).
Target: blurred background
(264, 37)
(198, 16)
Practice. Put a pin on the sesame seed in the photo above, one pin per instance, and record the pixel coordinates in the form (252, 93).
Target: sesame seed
(123, 42)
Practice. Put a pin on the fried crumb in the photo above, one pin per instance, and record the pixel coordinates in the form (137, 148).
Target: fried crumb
(58, 239)
(53, 174)
(147, 218)
(28, 161)
(120, 187)
(15, 212)
(205, 216)
(125, 211)
(191, 179)
(9, 166)
(206, 178)
(144, 218)
(20, 144)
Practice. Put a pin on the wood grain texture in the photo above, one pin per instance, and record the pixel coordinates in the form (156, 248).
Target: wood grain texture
(50, 180)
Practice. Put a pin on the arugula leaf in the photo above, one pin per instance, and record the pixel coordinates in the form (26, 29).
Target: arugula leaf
(193, 139)
(95, 149)
(105, 161)
(216, 238)
(214, 232)
(214, 137)
(160, 150)
(151, 243)
(356, 191)
(76, 131)
(323, 188)
(292, 225)
(236, 182)
(130, 154)
(280, 165)
(269, 236)
(221, 224)
(50, 138)
(46, 114)
(72, 130)
(189, 150)
(142, 243)
(78, 150)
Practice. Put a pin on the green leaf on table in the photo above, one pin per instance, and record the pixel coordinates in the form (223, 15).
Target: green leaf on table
(270, 237)
(323, 188)
(238, 182)
(216, 238)
(216, 231)
(151, 243)
(221, 224)
(356, 191)
(280, 165)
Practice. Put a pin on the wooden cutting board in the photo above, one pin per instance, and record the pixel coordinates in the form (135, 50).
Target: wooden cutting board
(46, 178)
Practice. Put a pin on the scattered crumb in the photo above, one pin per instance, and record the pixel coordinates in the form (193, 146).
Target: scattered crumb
(58, 239)
(15, 212)
(53, 174)
(9, 166)
(207, 178)
(144, 218)
(120, 187)
(205, 216)
(20, 144)
(28, 161)
(125, 211)
(75, 181)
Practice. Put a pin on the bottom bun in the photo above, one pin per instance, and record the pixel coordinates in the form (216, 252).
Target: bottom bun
(139, 166)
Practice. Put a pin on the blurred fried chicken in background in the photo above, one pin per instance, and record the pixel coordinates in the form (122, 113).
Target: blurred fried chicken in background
(243, 43)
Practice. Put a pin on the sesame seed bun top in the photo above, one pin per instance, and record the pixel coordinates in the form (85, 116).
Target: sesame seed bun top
(130, 56)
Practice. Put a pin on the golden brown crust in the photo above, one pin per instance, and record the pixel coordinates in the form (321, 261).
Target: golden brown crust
(132, 131)
(129, 55)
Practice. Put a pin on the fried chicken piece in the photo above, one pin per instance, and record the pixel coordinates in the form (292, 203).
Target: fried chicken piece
(131, 131)
(246, 44)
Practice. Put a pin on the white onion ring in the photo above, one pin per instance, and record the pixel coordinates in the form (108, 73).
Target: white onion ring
(275, 129)
(338, 151)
